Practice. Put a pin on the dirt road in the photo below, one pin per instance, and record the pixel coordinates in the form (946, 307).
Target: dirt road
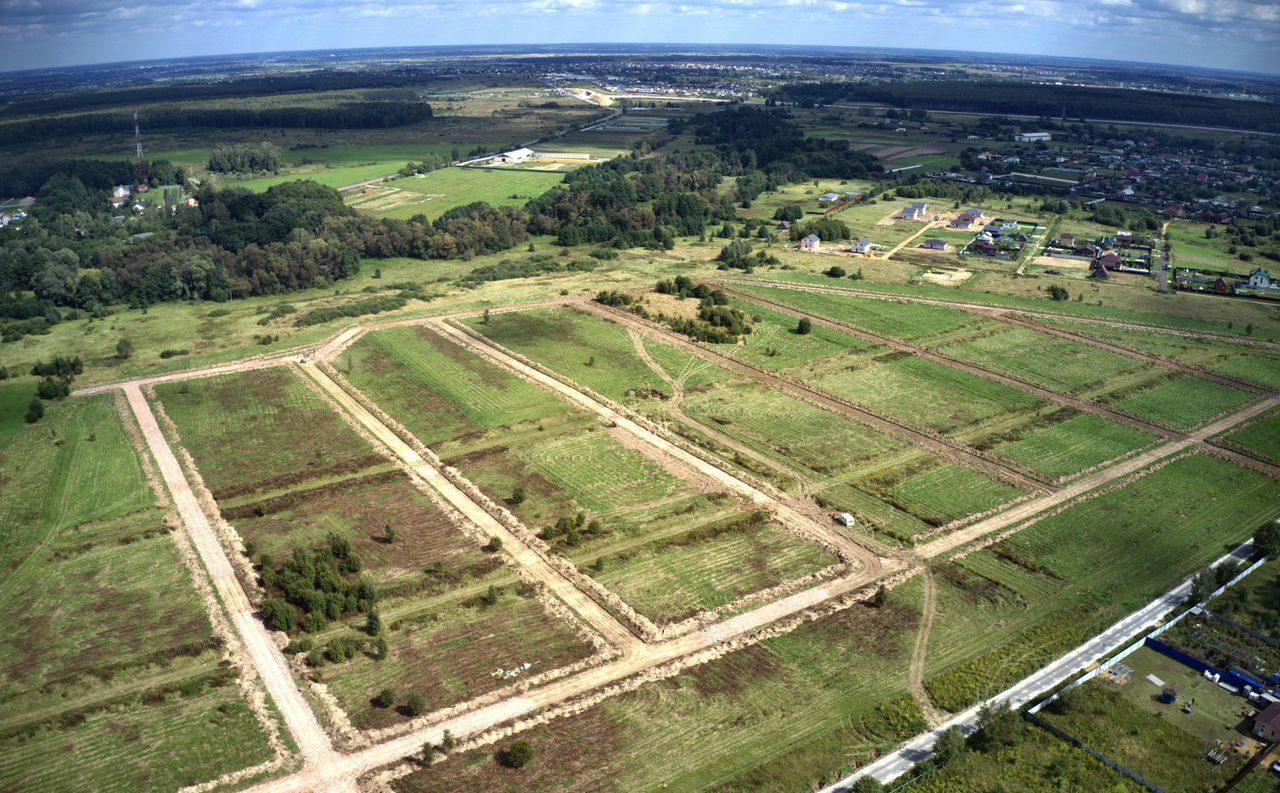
(313, 743)
(933, 715)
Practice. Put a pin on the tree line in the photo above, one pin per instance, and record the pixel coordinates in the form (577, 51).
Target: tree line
(247, 158)
(350, 115)
(1052, 101)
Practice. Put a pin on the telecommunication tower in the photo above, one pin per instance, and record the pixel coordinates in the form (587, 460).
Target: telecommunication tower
(142, 163)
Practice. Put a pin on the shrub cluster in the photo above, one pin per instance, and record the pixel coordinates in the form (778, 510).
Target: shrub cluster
(315, 586)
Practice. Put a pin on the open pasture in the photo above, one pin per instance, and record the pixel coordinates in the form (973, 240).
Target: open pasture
(435, 193)
(780, 715)
(590, 491)
(1007, 610)
(261, 430)
(1193, 250)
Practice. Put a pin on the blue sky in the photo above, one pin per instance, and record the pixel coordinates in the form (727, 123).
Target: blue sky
(1238, 34)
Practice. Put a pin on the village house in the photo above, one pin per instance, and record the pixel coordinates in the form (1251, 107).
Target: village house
(514, 156)
(829, 197)
(862, 246)
(1033, 137)
(811, 243)
(1266, 725)
(1260, 279)
(936, 245)
(917, 211)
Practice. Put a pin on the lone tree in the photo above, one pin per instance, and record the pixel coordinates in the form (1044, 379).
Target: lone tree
(385, 698)
(517, 496)
(428, 753)
(416, 704)
(391, 532)
(1267, 539)
(867, 784)
(448, 741)
(880, 597)
(1059, 293)
(495, 545)
(804, 326)
(124, 349)
(517, 755)
(35, 410)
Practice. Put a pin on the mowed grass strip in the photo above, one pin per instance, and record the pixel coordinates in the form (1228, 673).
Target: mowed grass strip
(438, 390)
(692, 372)
(1051, 361)
(924, 394)
(1184, 402)
(780, 715)
(583, 347)
(1020, 603)
(774, 343)
(1262, 437)
(437, 192)
(710, 567)
(1067, 447)
(262, 428)
(453, 653)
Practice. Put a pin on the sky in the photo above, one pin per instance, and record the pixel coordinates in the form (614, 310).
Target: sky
(1233, 34)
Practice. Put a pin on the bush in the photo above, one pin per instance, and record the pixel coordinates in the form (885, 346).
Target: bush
(172, 353)
(804, 326)
(4, 373)
(416, 704)
(124, 349)
(448, 741)
(1059, 293)
(278, 614)
(385, 698)
(53, 388)
(35, 410)
(517, 755)
(1267, 540)
(494, 545)
(517, 496)
(834, 272)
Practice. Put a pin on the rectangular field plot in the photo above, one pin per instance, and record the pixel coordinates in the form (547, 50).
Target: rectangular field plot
(1129, 724)
(587, 349)
(1009, 609)
(261, 430)
(437, 192)
(592, 492)
(774, 344)
(1050, 361)
(914, 322)
(922, 393)
(1260, 437)
(1072, 445)
(454, 651)
(1184, 402)
(780, 715)
(108, 664)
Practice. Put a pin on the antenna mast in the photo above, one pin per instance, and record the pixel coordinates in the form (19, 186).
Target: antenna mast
(142, 163)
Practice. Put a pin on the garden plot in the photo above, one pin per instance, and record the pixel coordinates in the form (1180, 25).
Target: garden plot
(1164, 742)
(1074, 444)
(435, 193)
(433, 582)
(595, 494)
(1007, 610)
(107, 658)
(780, 715)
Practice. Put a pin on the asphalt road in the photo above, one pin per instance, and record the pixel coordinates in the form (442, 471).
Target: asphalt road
(894, 765)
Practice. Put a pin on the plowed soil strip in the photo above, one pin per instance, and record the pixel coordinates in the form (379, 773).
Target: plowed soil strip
(945, 449)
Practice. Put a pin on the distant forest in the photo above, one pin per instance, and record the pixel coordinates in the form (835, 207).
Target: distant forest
(354, 115)
(1051, 101)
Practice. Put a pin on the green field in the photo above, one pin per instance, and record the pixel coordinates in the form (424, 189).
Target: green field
(1075, 444)
(260, 430)
(435, 193)
(1191, 249)
(1184, 402)
(1262, 437)
(635, 506)
(107, 658)
(781, 715)
(1053, 584)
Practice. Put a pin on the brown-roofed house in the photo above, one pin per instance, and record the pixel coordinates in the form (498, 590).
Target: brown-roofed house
(1266, 725)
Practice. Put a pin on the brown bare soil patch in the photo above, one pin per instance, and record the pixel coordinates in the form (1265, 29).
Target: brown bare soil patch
(671, 306)
(298, 477)
(570, 754)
